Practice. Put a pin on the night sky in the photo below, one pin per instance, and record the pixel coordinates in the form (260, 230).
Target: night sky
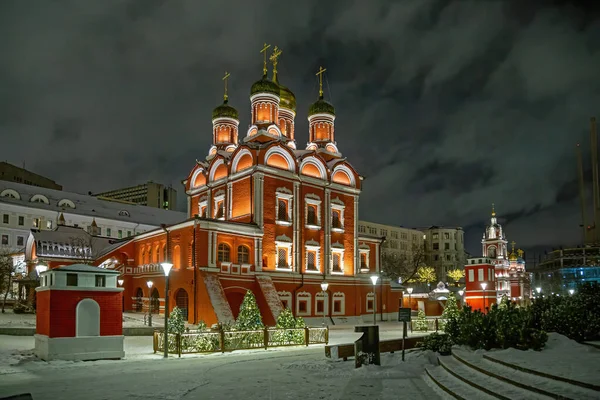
(444, 107)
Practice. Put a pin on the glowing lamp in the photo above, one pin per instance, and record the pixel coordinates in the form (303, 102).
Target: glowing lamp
(374, 279)
(149, 283)
(483, 285)
(409, 290)
(120, 282)
(166, 266)
(324, 286)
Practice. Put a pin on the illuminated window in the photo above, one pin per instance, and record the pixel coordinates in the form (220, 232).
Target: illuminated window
(311, 260)
(311, 217)
(336, 219)
(243, 256)
(282, 210)
(282, 256)
(223, 253)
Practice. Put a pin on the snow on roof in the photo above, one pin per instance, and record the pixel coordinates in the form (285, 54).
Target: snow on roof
(87, 205)
(69, 242)
(85, 268)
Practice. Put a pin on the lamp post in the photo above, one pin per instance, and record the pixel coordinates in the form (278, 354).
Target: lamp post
(460, 293)
(483, 286)
(538, 290)
(409, 290)
(324, 286)
(149, 283)
(120, 282)
(374, 279)
(166, 266)
(571, 291)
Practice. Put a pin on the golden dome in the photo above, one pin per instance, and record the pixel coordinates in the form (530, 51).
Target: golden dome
(512, 257)
(288, 99)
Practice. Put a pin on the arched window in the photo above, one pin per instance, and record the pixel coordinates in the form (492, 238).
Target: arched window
(224, 253)
(177, 257)
(143, 255)
(165, 253)
(243, 255)
(157, 259)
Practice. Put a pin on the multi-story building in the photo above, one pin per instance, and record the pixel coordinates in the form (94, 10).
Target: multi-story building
(565, 269)
(444, 249)
(398, 240)
(12, 173)
(24, 207)
(264, 217)
(149, 194)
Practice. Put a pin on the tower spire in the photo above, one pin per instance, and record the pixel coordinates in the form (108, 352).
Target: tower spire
(273, 58)
(264, 50)
(227, 75)
(493, 210)
(320, 75)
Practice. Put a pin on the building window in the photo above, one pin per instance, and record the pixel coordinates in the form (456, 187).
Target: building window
(120, 234)
(339, 304)
(311, 217)
(372, 231)
(282, 257)
(302, 306)
(36, 223)
(364, 260)
(361, 229)
(20, 241)
(320, 306)
(448, 257)
(5, 240)
(446, 246)
(336, 219)
(480, 274)
(370, 302)
(336, 261)
(128, 233)
(383, 232)
(243, 255)
(48, 224)
(282, 210)
(220, 210)
(471, 275)
(284, 304)
(5, 218)
(223, 253)
(435, 236)
(21, 220)
(436, 257)
(312, 211)
(100, 281)
(394, 234)
(108, 232)
(436, 246)
(311, 260)
(72, 279)
(446, 235)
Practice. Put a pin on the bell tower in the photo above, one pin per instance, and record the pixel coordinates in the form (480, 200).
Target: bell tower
(321, 117)
(225, 121)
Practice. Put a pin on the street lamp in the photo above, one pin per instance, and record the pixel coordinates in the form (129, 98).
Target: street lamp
(460, 293)
(538, 290)
(324, 286)
(120, 282)
(149, 283)
(374, 279)
(483, 286)
(571, 291)
(409, 290)
(41, 268)
(166, 266)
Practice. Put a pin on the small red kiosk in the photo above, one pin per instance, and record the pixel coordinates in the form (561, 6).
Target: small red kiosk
(79, 314)
(480, 283)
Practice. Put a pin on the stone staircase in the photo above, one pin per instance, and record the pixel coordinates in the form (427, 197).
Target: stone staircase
(218, 299)
(270, 294)
(467, 375)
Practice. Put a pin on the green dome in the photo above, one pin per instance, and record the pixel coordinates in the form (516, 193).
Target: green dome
(225, 111)
(321, 106)
(264, 86)
(288, 99)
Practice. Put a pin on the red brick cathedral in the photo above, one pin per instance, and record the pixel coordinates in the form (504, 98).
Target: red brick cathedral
(264, 216)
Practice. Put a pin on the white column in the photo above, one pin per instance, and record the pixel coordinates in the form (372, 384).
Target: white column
(327, 220)
(209, 202)
(259, 263)
(297, 225)
(256, 257)
(229, 200)
(356, 253)
(211, 254)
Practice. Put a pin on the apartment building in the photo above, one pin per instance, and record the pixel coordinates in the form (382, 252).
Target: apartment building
(149, 194)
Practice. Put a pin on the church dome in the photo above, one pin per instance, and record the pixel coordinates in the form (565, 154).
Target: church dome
(512, 257)
(225, 111)
(288, 99)
(264, 86)
(321, 106)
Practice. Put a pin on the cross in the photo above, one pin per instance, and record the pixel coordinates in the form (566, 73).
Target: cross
(493, 211)
(513, 245)
(227, 75)
(273, 58)
(320, 74)
(264, 50)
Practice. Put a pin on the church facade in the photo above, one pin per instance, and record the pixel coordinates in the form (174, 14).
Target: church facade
(265, 216)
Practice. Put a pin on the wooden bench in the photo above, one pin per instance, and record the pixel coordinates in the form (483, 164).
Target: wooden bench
(343, 351)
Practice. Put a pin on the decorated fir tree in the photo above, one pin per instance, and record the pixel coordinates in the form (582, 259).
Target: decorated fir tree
(176, 324)
(450, 311)
(421, 324)
(286, 319)
(285, 323)
(249, 318)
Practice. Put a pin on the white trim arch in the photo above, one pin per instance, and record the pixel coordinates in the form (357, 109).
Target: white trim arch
(66, 203)
(37, 197)
(195, 176)
(347, 171)
(278, 150)
(317, 163)
(10, 193)
(213, 169)
(276, 129)
(238, 157)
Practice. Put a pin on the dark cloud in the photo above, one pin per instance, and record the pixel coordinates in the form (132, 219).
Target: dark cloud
(445, 106)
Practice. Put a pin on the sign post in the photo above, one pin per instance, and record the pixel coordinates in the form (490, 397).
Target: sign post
(404, 314)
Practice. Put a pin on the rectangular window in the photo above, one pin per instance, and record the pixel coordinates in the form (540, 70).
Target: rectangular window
(447, 257)
(203, 211)
(21, 220)
(282, 257)
(100, 281)
(336, 219)
(284, 303)
(363, 261)
(361, 229)
(220, 211)
(394, 234)
(5, 218)
(36, 222)
(48, 224)
(337, 306)
(311, 216)
(5, 240)
(480, 274)
(446, 235)
(302, 305)
(72, 279)
(446, 246)
(120, 234)
(108, 232)
(128, 233)
(282, 210)
(436, 246)
(369, 305)
(311, 260)
(337, 267)
(471, 275)
(383, 232)
(435, 236)
(320, 306)
(20, 241)
(436, 257)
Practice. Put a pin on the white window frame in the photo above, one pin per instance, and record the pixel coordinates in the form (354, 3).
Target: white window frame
(370, 296)
(342, 298)
(323, 297)
(303, 296)
(315, 201)
(288, 246)
(203, 203)
(216, 200)
(340, 252)
(310, 246)
(480, 275)
(471, 275)
(284, 194)
(362, 251)
(286, 296)
(337, 207)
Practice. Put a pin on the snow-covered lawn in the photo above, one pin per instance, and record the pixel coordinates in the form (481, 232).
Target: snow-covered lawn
(561, 357)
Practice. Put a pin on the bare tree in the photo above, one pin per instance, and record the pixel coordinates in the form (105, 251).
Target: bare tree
(403, 267)
(7, 273)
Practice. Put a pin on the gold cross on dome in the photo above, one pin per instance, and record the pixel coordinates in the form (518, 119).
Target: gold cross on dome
(513, 245)
(273, 58)
(264, 50)
(227, 75)
(320, 74)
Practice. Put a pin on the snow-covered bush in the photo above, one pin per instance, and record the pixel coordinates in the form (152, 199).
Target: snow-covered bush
(421, 324)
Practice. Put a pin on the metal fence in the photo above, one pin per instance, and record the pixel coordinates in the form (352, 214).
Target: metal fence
(221, 341)
(428, 325)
